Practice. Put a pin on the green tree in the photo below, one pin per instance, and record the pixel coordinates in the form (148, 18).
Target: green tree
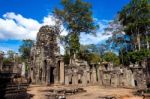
(10, 54)
(111, 57)
(94, 58)
(25, 48)
(89, 53)
(135, 18)
(119, 41)
(9, 58)
(138, 55)
(76, 16)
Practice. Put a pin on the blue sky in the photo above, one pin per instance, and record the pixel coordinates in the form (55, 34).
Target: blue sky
(21, 19)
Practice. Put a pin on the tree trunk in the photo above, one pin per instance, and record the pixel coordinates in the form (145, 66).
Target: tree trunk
(121, 56)
(133, 41)
(139, 41)
(147, 42)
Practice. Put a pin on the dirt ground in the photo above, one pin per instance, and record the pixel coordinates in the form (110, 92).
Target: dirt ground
(93, 92)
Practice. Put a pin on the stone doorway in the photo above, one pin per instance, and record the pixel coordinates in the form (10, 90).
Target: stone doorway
(135, 82)
(52, 75)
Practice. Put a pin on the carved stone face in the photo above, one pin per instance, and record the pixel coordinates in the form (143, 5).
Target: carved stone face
(46, 36)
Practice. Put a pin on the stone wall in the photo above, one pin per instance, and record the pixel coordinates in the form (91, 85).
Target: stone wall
(147, 71)
(131, 76)
(79, 72)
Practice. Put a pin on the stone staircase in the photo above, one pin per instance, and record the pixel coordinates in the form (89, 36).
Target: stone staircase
(14, 91)
(10, 90)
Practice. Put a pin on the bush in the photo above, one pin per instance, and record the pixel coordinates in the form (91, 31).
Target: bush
(111, 57)
(138, 55)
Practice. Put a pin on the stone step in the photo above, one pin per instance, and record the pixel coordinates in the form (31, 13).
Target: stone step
(17, 96)
(15, 88)
(15, 91)
(9, 87)
(15, 85)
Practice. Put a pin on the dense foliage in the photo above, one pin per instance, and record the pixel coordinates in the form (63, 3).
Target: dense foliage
(131, 32)
(88, 53)
(10, 57)
(111, 57)
(135, 17)
(137, 56)
(76, 16)
(25, 48)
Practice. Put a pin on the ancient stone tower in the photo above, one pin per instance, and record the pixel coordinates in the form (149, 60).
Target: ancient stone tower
(46, 64)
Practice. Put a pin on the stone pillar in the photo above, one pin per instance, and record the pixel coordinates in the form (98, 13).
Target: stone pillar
(66, 80)
(62, 72)
(88, 77)
(75, 79)
(37, 75)
(84, 78)
(43, 75)
(100, 79)
(48, 71)
(32, 75)
(55, 72)
(48, 75)
(93, 77)
(114, 80)
(129, 78)
(100, 75)
(132, 81)
(43, 67)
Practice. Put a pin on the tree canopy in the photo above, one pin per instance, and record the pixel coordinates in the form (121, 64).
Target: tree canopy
(25, 48)
(131, 32)
(90, 53)
(111, 57)
(135, 17)
(76, 16)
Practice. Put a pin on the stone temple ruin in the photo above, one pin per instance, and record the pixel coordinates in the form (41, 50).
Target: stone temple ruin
(47, 67)
(131, 76)
(46, 63)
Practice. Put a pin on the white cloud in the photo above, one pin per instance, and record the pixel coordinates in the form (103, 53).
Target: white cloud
(91, 39)
(17, 27)
(4, 49)
(49, 20)
(21, 21)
